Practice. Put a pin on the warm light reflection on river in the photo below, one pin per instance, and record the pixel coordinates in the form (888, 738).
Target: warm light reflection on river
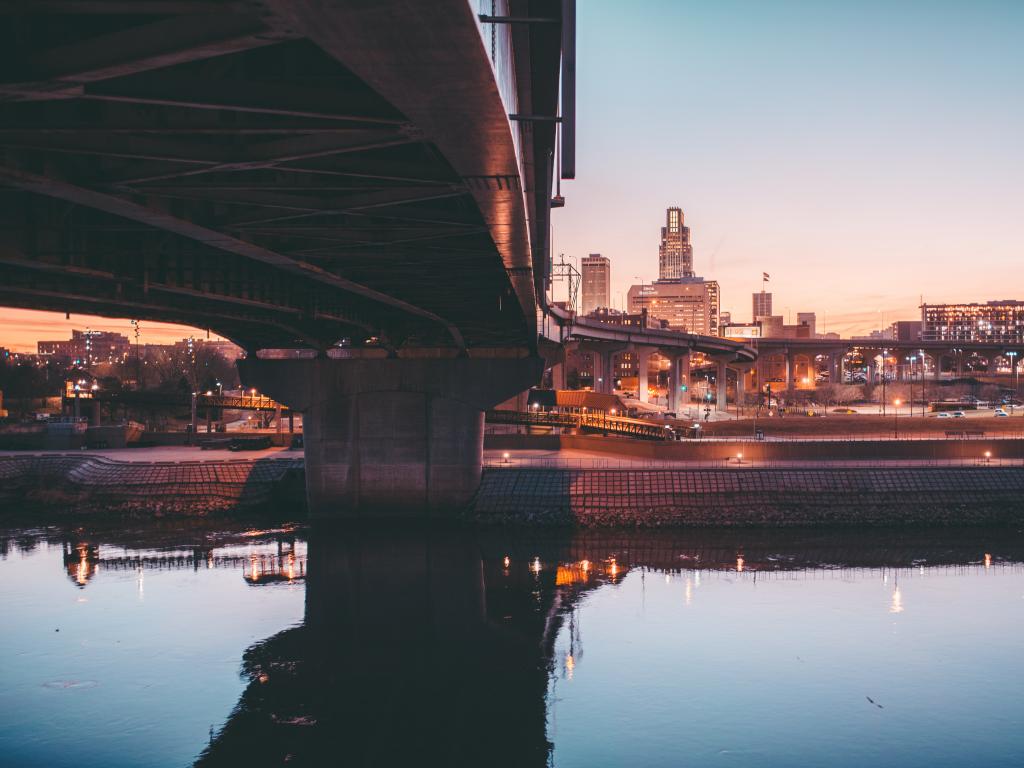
(167, 646)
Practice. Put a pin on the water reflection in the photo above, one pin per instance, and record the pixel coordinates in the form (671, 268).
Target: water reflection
(443, 648)
(527, 648)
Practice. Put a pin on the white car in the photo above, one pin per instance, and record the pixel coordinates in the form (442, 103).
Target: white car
(1000, 413)
(959, 415)
(944, 415)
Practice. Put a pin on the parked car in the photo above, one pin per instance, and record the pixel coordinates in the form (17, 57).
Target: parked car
(843, 410)
(1000, 413)
(944, 415)
(959, 415)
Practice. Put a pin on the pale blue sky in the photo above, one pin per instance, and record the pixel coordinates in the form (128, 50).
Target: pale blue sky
(863, 153)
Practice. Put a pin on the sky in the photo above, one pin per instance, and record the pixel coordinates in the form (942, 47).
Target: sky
(865, 154)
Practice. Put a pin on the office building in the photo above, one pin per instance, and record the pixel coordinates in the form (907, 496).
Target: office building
(808, 320)
(596, 279)
(762, 305)
(906, 330)
(675, 254)
(689, 304)
(1001, 322)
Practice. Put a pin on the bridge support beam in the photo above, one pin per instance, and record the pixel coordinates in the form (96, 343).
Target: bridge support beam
(400, 437)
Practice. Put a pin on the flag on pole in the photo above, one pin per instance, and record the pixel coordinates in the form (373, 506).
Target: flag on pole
(765, 278)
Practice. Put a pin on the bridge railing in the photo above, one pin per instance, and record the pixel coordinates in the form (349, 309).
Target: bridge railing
(584, 422)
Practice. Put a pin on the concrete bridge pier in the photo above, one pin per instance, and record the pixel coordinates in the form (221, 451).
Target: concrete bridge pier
(396, 437)
(607, 372)
(558, 376)
(741, 375)
(643, 362)
(679, 377)
(721, 385)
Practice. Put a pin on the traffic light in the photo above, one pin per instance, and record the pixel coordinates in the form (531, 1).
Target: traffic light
(682, 387)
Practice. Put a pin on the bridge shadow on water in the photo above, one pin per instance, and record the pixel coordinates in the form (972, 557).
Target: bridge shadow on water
(436, 647)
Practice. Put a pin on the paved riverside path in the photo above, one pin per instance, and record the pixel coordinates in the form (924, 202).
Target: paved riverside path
(571, 458)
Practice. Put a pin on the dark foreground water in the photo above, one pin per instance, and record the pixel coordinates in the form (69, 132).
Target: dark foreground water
(168, 647)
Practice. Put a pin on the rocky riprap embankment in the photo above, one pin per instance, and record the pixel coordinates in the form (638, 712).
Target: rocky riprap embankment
(95, 484)
(663, 497)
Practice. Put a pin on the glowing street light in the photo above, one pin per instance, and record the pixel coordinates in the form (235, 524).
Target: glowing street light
(896, 417)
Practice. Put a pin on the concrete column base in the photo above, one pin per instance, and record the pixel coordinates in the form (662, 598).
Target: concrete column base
(391, 437)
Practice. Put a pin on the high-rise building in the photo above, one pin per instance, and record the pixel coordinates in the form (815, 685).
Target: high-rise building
(597, 283)
(675, 254)
(995, 321)
(762, 304)
(689, 304)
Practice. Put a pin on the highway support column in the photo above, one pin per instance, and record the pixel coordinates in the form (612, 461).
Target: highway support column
(722, 384)
(679, 377)
(399, 437)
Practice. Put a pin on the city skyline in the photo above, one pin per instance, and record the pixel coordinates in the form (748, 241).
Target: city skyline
(861, 155)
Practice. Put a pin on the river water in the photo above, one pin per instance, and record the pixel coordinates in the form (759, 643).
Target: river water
(223, 646)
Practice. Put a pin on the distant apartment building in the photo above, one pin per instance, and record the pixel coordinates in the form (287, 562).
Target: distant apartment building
(88, 347)
(675, 254)
(762, 305)
(642, 319)
(596, 278)
(688, 304)
(1000, 322)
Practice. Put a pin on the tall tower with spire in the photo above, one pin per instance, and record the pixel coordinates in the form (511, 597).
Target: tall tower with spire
(675, 254)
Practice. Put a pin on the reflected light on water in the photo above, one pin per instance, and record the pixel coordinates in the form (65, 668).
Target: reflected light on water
(739, 564)
(988, 560)
(570, 665)
(897, 601)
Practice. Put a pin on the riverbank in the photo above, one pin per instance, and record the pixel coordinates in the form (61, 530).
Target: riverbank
(77, 484)
(587, 493)
(865, 496)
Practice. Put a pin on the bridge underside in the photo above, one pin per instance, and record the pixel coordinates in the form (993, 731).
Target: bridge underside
(297, 174)
(208, 163)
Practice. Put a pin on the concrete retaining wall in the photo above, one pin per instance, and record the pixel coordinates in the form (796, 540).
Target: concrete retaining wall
(90, 484)
(847, 496)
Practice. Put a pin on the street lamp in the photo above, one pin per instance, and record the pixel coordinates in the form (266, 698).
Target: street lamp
(912, 358)
(1016, 378)
(896, 417)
